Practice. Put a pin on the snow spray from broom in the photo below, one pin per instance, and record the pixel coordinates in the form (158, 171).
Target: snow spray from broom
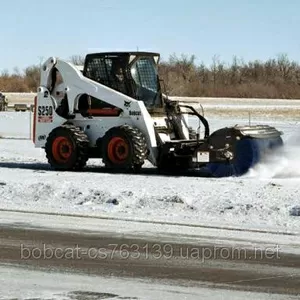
(283, 163)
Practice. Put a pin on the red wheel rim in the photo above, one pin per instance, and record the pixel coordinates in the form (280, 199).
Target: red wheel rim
(62, 149)
(118, 150)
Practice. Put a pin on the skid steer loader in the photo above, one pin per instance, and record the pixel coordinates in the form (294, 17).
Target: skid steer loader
(114, 109)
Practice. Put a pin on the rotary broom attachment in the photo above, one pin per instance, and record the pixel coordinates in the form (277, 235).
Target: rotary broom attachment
(229, 151)
(243, 147)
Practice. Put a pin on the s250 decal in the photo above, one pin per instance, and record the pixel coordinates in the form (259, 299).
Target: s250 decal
(45, 113)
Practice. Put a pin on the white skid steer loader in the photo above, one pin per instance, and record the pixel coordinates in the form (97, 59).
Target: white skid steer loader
(114, 109)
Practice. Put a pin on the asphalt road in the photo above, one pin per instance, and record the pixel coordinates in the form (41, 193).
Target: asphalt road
(220, 266)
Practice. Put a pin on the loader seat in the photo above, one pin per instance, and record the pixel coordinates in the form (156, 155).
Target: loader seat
(104, 112)
(96, 107)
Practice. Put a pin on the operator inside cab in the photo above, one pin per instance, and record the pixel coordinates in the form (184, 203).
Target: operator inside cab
(117, 77)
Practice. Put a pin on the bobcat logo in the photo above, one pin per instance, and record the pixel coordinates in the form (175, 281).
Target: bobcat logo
(127, 103)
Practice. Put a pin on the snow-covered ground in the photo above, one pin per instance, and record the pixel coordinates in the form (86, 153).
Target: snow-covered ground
(16, 124)
(267, 197)
(265, 200)
(17, 283)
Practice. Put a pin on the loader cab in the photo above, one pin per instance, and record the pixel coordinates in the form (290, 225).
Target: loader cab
(131, 73)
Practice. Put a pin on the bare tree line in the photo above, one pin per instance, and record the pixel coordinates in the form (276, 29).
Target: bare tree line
(274, 78)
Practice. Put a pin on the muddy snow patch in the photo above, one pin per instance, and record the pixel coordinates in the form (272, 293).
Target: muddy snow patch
(171, 199)
(94, 197)
(295, 211)
(101, 198)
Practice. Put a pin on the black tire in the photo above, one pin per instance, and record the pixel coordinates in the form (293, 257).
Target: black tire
(67, 148)
(124, 147)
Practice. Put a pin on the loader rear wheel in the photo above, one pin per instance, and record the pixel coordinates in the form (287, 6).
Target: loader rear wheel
(124, 147)
(67, 148)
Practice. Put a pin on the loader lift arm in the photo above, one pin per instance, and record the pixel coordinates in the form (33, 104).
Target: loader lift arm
(200, 117)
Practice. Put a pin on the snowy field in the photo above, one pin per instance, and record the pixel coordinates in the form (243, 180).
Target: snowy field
(268, 197)
(257, 108)
(28, 98)
(18, 98)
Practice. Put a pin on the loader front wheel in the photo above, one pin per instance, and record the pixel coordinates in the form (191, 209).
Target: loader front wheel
(67, 148)
(124, 147)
